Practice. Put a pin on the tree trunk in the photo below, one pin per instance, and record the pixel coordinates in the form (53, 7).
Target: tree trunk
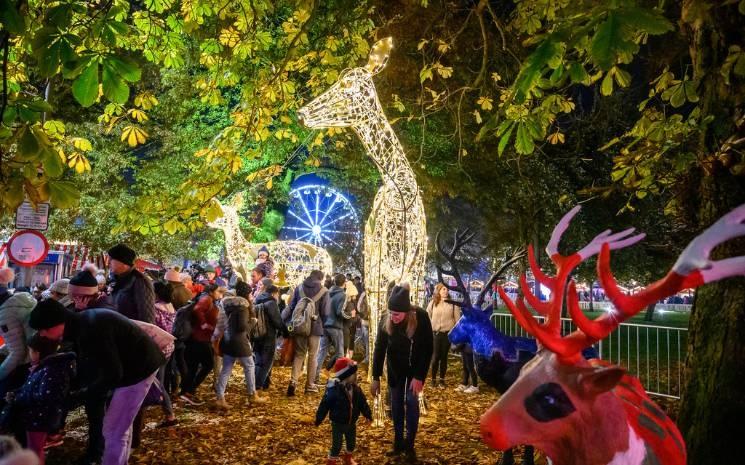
(713, 398)
(649, 316)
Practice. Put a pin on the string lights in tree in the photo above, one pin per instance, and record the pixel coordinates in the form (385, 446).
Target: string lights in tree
(395, 242)
(293, 260)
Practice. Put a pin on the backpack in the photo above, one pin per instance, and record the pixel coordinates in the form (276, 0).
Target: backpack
(182, 324)
(260, 328)
(304, 313)
(347, 308)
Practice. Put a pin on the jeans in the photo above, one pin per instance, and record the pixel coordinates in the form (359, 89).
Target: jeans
(179, 362)
(95, 410)
(339, 433)
(440, 354)
(365, 335)
(227, 367)
(332, 336)
(160, 378)
(264, 350)
(469, 370)
(404, 406)
(305, 345)
(117, 423)
(199, 362)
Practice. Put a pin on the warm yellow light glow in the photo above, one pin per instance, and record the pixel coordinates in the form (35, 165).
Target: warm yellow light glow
(293, 260)
(395, 243)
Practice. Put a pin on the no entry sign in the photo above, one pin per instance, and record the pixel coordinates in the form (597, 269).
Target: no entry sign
(27, 248)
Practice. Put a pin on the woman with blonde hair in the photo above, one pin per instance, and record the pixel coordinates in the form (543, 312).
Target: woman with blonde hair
(443, 316)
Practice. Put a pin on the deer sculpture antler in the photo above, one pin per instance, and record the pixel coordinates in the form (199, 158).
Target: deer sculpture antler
(692, 269)
(507, 261)
(460, 239)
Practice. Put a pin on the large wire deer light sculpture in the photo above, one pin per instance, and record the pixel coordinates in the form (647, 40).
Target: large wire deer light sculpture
(395, 242)
(295, 258)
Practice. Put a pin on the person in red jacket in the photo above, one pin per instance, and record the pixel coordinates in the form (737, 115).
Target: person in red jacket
(198, 350)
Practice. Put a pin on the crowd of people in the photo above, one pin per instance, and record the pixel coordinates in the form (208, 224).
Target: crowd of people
(117, 344)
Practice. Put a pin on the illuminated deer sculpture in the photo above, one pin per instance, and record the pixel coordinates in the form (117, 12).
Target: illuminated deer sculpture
(395, 243)
(583, 412)
(296, 258)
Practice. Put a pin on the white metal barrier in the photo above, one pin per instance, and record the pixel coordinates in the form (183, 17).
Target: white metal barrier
(605, 305)
(654, 354)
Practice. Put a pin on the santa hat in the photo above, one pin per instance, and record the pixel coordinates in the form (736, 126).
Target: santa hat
(85, 282)
(344, 368)
(173, 275)
(7, 275)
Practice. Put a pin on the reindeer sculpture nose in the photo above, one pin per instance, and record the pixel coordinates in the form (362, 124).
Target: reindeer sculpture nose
(492, 431)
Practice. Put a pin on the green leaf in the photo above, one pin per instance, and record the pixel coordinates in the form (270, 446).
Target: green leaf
(689, 87)
(646, 20)
(124, 67)
(114, 87)
(85, 87)
(63, 194)
(741, 7)
(622, 77)
(524, 141)
(578, 74)
(38, 105)
(557, 75)
(60, 15)
(606, 87)
(601, 48)
(52, 163)
(504, 140)
(28, 146)
(677, 95)
(533, 67)
(11, 20)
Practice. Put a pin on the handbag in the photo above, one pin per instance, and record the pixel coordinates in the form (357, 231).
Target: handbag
(155, 395)
(287, 353)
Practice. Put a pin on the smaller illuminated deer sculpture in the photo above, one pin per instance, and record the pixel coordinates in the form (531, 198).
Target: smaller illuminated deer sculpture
(582, 412)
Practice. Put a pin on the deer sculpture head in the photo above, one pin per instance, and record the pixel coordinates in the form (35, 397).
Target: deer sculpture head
(349, 101)
(229, 213)
(581, 412)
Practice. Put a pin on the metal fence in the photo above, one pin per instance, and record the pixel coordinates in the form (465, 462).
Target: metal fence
(605, 305)
(654, 354)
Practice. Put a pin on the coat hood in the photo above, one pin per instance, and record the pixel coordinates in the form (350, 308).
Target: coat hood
(311, 287)
(335, 290)
(21, 299)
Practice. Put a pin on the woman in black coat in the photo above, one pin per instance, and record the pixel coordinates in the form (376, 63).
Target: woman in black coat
(266, 346)
(405, 341)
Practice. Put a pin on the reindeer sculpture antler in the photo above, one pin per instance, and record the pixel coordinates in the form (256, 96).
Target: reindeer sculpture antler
(507, 261)
(460, 239)
(692, 269)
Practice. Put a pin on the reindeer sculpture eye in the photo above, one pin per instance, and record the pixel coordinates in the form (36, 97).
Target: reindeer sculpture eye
(548, 402)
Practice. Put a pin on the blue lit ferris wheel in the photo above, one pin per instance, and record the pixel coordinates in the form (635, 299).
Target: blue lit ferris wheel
(322, 216)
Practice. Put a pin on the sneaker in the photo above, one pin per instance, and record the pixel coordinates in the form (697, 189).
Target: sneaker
(167, 423)
(256, 399)
(54, 440)
(441, 384)
(461, 388)
(395, 452)
(291, 390)
(471, 390)
(190, 399)
(311, 388)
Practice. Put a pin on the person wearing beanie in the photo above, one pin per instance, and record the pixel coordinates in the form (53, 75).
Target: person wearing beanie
(343, 402)
(263, 258)
(235, 344)
(101, 279)
(15, 310)
(404, 343)
(265, 347)
(83, 291)
(133, 294)
(115, 355)
(180, 295)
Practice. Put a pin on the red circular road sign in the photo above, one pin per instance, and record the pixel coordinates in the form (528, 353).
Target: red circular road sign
(27, 248)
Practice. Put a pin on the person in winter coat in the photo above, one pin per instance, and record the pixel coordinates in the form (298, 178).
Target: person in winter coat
(265, 347)
(443, 316)
(165, 315)
(180, 295)
(333, 323)
(198, 352)
(363, 312)
(235, 344)
(404, 344)
(114, 354)
(133, 294)
(343, 402)
(84, 291)
(313, 289)
(41, 402)
(15, 310)
(59, 291)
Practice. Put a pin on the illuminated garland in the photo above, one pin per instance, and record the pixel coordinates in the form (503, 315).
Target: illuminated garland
(395, 243)
(294, 259)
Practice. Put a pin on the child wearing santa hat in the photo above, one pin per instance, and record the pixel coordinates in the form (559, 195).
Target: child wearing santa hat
(343, 402)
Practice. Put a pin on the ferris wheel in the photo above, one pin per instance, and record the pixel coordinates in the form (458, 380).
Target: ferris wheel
(322, 216)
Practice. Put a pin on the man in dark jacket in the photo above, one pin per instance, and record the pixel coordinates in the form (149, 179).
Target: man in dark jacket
(114, 354)
(332, 323)
(405, 342)
(312, 288)
(133, 294)
(266, 346)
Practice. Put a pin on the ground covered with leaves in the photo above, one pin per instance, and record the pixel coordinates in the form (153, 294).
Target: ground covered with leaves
(282, 431)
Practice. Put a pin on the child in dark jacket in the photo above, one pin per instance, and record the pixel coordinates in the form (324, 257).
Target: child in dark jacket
(42, 401)
(343, 401)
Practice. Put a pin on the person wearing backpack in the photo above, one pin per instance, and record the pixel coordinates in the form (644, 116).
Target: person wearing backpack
(265, 341)
(306, 327)
(333, 323)
(236, 346)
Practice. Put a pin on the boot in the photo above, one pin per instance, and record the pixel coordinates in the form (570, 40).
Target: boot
(291, 390)
(347, 458)
(333, 461)
(221, 404)
(255, 399)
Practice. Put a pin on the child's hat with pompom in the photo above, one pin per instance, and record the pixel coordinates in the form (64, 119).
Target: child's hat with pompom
(344, 368)
(7, 275)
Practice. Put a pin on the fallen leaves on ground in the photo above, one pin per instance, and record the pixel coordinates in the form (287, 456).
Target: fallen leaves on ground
(282, 431)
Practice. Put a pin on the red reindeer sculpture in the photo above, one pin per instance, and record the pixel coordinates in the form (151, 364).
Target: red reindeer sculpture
(583, 412)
